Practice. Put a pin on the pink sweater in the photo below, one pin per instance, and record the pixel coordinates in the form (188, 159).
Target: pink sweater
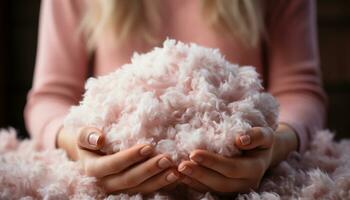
(288, 63)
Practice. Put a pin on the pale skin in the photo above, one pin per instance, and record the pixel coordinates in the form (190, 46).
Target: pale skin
(139, 170)
(135, 170)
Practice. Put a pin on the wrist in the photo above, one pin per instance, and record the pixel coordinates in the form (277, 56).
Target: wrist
(286, 141)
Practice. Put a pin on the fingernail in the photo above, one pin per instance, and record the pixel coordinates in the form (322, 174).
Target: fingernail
(245, 139)
(186, 170)
(146, 150)
(197, 159)
(172, 177)
(164, 163)
(93, 138)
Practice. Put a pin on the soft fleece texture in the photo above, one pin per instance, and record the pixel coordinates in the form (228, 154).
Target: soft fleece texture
(180, 97)
(323, 172)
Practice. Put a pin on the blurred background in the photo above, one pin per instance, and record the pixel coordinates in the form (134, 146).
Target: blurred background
(18, 39)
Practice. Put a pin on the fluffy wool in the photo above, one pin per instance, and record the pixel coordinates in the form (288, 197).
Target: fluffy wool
(27, 173)
(179, 98)
(323, 172)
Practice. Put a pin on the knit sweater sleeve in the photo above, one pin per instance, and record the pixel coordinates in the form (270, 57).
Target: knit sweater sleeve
(294, 72)
(60, 71)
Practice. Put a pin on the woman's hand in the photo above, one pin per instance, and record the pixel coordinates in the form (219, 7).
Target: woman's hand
(262, 148)
(135, 170)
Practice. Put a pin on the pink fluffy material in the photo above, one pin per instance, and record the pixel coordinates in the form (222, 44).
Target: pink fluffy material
(27, 173)
(179, 98)
(323, 172)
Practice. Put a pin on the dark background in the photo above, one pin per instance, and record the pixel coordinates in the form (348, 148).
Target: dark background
(18, 37)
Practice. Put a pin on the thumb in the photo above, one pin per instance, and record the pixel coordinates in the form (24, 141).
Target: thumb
(90, 138)
(256, 137)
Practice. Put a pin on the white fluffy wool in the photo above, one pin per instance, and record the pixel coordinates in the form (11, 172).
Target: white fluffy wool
(179, 98)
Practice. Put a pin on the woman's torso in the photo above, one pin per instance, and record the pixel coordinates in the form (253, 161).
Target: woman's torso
(181, 20)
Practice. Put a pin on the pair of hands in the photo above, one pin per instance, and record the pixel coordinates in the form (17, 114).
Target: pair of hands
(140, 170)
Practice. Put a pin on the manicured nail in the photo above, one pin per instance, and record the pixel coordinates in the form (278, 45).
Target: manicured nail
(93, 138)
(172, 177)
(186, 170)
(245, 139)
(146, 150)
(164, 163)
(196, 158)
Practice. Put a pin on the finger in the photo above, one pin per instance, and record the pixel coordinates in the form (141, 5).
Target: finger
(117, 162)
(257, 137)
(237, 167)
(155, 183)
(90, 138)
(210, 178)
(194, 184)
(138, 174)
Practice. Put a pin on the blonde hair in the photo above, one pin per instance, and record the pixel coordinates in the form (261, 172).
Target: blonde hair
(240, 18)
